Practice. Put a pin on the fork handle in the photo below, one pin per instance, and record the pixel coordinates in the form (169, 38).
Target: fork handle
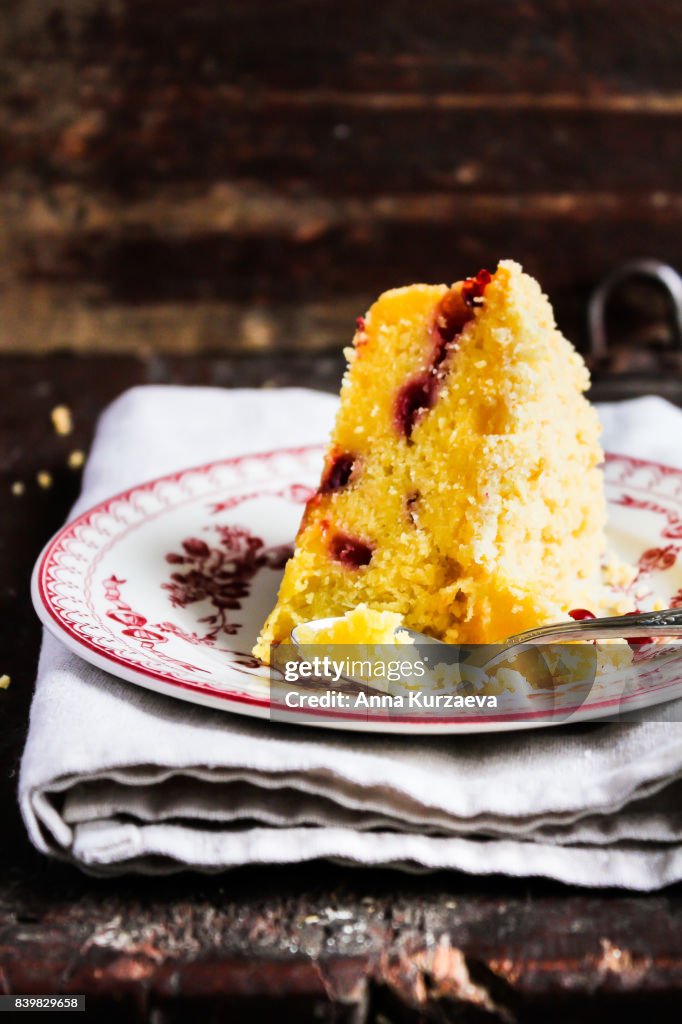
(667, 622)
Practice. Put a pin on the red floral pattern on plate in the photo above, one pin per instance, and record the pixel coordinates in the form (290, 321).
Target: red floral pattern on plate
(67, 597)
(658, 559)
(221, 575)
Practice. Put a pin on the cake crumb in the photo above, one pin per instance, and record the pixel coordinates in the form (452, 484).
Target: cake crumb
(44, 479)
(76, 459)
(617, 573)
(4, 682)
(18, 488)
(62, 420)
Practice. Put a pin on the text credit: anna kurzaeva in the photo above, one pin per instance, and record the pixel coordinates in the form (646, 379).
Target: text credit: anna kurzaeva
(428, 683)
(446, 684)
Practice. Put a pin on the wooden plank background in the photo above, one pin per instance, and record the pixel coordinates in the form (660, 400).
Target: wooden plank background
(179, 177)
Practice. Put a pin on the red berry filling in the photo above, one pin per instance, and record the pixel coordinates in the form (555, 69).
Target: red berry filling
(581, 613)
(453, 313)
(413, 399)
(474, 287)
(338, 473)
(452, 316)
(350, 551)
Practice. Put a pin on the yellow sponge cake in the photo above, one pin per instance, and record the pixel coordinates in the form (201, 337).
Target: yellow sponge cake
(461, 488)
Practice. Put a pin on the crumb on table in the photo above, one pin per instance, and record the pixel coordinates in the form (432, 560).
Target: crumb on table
(76, 459)
(4, 682)
(44, 479)
(62, 419)
(18, 488)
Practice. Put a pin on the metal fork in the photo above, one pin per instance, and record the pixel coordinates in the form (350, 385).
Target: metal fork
(666, 623)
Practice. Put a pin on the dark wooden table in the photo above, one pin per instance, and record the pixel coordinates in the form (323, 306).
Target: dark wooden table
(318, 943)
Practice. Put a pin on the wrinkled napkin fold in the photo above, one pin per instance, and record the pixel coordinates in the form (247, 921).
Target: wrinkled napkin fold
(115, 778)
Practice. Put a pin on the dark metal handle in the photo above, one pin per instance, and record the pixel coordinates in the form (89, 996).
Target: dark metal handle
(663, 274)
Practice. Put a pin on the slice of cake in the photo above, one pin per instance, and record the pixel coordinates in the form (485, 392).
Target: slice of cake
(461, 488)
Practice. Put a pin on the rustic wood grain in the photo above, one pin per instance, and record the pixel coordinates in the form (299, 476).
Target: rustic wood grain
(287, 274)
(244, 176)
(361, 949)
(350, 44)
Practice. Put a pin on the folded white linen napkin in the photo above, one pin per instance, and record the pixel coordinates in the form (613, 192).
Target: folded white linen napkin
(115, 778)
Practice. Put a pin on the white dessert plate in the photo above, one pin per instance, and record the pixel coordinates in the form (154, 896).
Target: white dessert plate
(167, 584)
